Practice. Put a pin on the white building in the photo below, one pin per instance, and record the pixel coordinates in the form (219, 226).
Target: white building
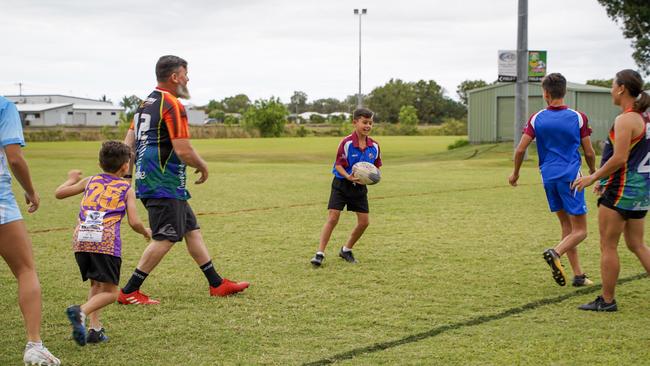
(54, 109)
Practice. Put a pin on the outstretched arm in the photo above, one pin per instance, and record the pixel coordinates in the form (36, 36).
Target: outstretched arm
(132, 215)
(72, 186)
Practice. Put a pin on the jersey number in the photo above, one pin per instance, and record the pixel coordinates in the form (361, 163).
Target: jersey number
(644, 166)
(143, 123)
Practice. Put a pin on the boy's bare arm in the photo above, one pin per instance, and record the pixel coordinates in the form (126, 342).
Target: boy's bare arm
(520, 152)
(133, 218)
(350, 177)
(72, 186)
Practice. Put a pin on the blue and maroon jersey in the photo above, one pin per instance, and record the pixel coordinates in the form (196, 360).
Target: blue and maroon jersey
(559, 132)
(102, 208)
(630, 183)
(349, 153)
(159, 173)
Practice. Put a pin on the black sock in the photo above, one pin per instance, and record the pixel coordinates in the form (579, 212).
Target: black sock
(135, 281)
(211, 274)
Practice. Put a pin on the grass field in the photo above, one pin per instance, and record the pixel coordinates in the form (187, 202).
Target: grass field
(450, 268)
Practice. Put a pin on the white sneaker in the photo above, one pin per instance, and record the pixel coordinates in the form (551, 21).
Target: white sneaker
(39, 355)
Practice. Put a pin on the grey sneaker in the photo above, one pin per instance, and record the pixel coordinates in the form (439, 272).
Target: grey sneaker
(599, 305)
(39, 355)
(582, 280)
(348, 256)
(318, 260)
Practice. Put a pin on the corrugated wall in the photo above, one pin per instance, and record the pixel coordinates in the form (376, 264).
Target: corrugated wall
(482, 116)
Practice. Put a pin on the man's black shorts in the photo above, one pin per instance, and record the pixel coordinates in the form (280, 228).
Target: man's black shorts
(607, 200)
(99, 267)
(170, 219)
(345, 193)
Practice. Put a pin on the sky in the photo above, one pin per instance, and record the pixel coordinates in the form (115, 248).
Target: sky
(265, 48)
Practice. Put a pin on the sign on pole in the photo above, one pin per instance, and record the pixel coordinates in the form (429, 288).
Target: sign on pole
(508, 65)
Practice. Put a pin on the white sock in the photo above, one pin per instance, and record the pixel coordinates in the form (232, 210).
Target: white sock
(34, 344)
(96, 329)
(346, 249)
(321, 253)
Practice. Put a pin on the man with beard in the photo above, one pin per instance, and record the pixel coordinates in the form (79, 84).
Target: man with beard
(159, 135)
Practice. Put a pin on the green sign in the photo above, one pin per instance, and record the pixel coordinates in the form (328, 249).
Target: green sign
(536, 65)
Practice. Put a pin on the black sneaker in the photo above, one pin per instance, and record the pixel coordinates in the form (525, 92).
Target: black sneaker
(95, 336)
(582, 280)
(599, 305)
(348, 256)
(318, 259)
(78, 328)
(553, 259)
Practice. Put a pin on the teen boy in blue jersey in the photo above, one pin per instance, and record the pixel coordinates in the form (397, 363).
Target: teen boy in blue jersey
(560, 131)
(346, 189)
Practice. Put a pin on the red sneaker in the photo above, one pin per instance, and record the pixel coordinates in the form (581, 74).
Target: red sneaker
(135, 298)
(228, 287)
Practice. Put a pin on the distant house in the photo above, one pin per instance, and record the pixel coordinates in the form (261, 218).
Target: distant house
(195, 116)
(55, 109)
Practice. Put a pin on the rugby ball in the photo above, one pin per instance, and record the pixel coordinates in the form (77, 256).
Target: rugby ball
(366, 172)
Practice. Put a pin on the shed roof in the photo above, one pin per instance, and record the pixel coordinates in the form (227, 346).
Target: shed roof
(569, 85)
(40, 107)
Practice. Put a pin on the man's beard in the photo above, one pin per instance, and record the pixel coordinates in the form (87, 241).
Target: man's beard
(182, 92)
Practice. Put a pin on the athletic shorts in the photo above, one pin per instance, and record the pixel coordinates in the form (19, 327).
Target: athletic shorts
(560, 196)
(169, 218)
(345, 193)
(608, 198)
(9, 210)
(99, 267)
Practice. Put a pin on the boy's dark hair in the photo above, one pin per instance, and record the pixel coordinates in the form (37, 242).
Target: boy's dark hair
(167, 65)
(555, 85)
(113, 155)
(634, 84)
(362, 112)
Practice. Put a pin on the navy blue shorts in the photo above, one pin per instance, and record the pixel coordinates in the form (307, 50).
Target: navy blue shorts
(560, 196)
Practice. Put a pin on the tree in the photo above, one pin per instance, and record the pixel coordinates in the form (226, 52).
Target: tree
(387, 100)
(466, 86)
(408, 119)
(130, 104)
(327, 105)
(635, 18)
(298, 102)
(237, 104)
(266, 116)
(606, 83)
(430, 101)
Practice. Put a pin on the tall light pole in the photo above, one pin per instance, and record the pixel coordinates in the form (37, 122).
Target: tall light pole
(521, 87)
(360, 12)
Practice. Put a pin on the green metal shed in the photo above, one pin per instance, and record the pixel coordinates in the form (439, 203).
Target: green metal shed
(491, 109)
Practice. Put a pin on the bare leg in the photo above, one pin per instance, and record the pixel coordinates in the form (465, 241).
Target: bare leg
(363, 220)
(101, 294)
(611, 225)
(577, 232)
(330, 224)
(196, 247)
(633, 233)
(16, 249)
(153, 254)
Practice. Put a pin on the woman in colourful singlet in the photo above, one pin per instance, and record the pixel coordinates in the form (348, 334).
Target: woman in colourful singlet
(624, 186)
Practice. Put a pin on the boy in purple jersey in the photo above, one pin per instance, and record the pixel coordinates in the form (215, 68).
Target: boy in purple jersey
(560, 131)
(346, 188)
(97, 243)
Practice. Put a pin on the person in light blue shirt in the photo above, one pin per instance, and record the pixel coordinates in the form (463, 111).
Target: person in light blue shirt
(15, 245)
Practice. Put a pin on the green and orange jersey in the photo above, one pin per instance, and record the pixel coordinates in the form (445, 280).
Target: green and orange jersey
(631, 183)
(159, 173)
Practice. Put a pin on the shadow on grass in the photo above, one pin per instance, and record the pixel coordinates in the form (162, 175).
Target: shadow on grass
(468, 323)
